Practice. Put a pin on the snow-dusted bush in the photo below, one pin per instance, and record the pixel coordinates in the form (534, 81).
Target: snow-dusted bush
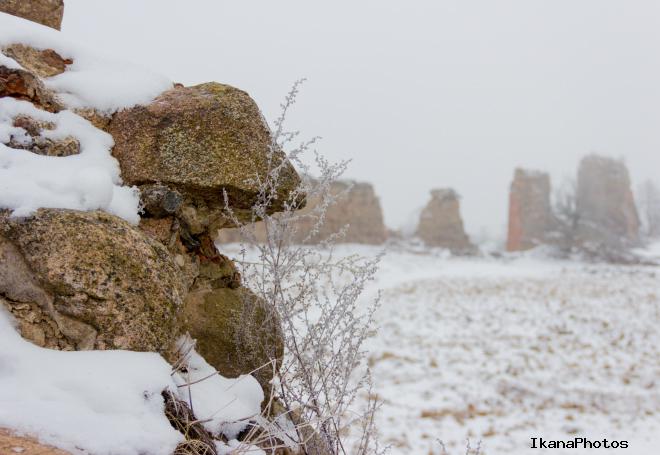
(315, 296)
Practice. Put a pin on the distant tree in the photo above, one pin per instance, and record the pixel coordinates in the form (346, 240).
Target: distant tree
(648, 204)
(565, 209)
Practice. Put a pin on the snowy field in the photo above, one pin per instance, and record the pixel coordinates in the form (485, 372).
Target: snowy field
(503, 350)
(500, 351)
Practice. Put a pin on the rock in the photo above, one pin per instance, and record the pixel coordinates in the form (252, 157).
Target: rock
(89, 280)
(41, 62)
(160, 201)
(531, 219)
(235, 331)
(38, 142)
(357, 207)
(12, 444)
(46, 12)
(440, 223)
(23, 85)
(198, 141)
(607, 215)
(95, 117)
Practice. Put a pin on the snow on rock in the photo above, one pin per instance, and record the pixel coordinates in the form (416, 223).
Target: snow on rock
(89, 180)
(228, 412)
(110, 402)
(101, 402)
(104, 84)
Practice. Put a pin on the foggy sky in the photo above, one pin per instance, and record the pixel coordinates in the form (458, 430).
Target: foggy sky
(420, 94)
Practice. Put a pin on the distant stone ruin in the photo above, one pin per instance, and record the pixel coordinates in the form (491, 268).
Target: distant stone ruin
(440, 223)
(607, 215)
(531, 220)
(358, 207)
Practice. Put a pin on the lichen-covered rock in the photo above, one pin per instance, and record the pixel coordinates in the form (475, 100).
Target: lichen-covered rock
(441, 225)
(236, 332)
(11, 444)
(199, 141)
(23, 85)
(531, 219)
(46, 12)
(37, 141)
(89, 280)
(42, 62)
(607, 215)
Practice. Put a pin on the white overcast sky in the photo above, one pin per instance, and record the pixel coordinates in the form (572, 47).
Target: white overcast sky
(419, 93)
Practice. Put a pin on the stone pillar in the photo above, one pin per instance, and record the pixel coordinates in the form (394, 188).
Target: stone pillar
(607, 215)
(531, 219)
(440, 222)
(359, 208)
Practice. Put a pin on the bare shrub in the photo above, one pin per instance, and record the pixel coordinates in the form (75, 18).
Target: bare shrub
(314, 293)
(648, 203)
(469, 450)
(565, 209)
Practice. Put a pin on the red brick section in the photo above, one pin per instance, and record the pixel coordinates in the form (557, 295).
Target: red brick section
(515, 232)
(530, 213)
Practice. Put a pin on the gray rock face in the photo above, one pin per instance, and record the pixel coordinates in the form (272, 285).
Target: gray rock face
(440, 222)
(531, 220)
(607, 215)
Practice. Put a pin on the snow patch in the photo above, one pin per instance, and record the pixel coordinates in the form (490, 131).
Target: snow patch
(89, 180)
(105, 84)
(110, 402)
(102, 402)
(227, 413)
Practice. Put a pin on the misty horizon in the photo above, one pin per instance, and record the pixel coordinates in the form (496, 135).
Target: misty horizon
(424, 94)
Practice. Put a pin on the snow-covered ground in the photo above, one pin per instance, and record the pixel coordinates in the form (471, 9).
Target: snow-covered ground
(503, 350)
(500, 351)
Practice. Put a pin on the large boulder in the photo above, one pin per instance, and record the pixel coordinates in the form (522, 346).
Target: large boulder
(199, 141)
(440, 223)
(46, 12)
(89, 280)
(236, 332)
(531, 219)
(607, 215)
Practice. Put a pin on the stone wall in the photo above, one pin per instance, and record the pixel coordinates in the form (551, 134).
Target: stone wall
(531, 220)
(607, 215)
(440, 223)
(90, 280)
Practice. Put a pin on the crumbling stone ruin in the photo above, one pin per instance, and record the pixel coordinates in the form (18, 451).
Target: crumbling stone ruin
(596, 216)
(357, 206)
(440, 223)
(606, 212)
(531, 220)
